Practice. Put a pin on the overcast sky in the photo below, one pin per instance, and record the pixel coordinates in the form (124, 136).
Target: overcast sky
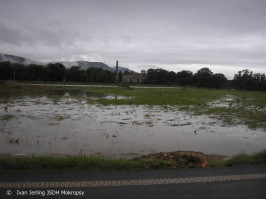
(224, 35)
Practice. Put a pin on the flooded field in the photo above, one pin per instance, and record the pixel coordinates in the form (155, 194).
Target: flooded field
(66, 122)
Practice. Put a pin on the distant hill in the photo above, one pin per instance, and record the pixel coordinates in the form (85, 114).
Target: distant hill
(16, 59)
(122, 69)
(86, 64)
(82, 64)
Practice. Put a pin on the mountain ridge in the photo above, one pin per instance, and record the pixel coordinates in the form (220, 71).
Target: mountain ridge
(82, 64)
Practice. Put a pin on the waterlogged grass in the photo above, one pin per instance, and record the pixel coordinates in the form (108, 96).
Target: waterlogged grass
(68, 162)
(241, 159)
(139, 96)
(7, 117)
(248, 108)
(164, 96)
(233, 116)
(244, 107)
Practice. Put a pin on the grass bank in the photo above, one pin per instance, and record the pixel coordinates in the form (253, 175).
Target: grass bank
(241, 159)
(161, 160)
(49, 162)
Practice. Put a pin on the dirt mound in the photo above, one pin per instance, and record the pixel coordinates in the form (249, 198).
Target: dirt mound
(178, 159)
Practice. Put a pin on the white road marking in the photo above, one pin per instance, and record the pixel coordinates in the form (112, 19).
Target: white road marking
(116, 183)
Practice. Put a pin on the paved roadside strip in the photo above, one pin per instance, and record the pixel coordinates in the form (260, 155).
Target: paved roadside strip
(141, 182)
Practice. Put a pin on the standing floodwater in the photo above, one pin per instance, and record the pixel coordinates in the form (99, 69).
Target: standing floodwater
(68, 125)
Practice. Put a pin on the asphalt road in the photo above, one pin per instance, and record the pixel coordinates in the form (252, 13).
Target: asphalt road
(240, 182)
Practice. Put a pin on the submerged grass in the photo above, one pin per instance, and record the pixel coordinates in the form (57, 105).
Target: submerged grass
(7, 117)
(244, 107)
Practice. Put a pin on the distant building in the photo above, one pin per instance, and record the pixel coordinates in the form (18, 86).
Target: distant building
(135, 77)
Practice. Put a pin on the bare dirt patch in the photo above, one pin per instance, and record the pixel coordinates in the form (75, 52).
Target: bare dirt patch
(178, 159)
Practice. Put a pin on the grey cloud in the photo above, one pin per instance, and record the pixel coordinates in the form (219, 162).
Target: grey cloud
(140, 31)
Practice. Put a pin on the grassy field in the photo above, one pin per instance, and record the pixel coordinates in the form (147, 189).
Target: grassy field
(243, 107)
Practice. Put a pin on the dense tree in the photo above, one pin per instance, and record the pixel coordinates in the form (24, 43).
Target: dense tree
(35, 73)
(76, 74)
(120, 76)
(6, 71)
(203, 78)
(171, 77)
(246, 80)
(20, 71)
(99, 75)
(184, 78)
(56, 72)
(219, 81)
(157, 76)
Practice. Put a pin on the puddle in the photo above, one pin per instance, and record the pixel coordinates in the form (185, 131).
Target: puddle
(39, 125)
(226, 102)
(83, 94)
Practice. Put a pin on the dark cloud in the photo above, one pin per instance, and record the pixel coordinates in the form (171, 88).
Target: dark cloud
(164, 33)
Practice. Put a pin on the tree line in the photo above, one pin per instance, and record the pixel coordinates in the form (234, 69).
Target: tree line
(54, 72)
(203, 78)
(243, 80)
(247, 80)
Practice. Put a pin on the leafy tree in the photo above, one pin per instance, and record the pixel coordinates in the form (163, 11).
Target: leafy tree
(246, 80)
(219, 80)
(157, 76)
(120, 76)
(99, 75)
(184, 78)
(56, 72)
(171, 78)
(20, 71)
(6, 71)
(76, 74)
(35, 72)
(203, 78)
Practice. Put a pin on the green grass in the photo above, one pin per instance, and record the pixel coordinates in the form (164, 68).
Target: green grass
(241, 159)
(68, 162)
(50, 162)
(217, 163)
(163, 162)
